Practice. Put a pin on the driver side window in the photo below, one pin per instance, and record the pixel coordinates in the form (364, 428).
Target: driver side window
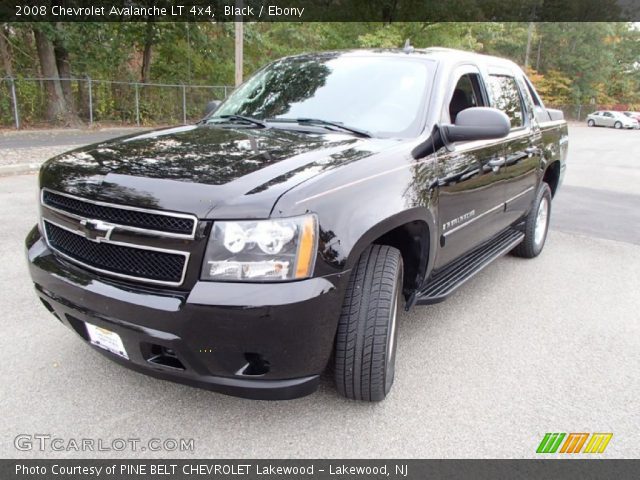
(467, 94)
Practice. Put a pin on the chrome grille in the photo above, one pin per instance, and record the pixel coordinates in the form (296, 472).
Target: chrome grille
(173, 224)
(119, 240)
(118, 259)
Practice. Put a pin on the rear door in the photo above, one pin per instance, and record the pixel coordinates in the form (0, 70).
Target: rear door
(523, 145)
(607, 119)
(471, 199)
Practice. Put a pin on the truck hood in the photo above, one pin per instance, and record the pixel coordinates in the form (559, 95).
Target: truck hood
(205, 170)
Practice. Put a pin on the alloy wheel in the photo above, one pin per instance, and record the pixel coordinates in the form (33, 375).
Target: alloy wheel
(541, 222)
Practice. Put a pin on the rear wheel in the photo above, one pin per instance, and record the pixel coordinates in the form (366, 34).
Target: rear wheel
(536, 225)
(617, 125)
(591, 123)
(365, 349)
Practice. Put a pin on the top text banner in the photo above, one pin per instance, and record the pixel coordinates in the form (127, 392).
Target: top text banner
(319, 10)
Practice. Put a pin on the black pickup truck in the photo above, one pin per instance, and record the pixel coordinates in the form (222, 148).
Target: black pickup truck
(282, 234)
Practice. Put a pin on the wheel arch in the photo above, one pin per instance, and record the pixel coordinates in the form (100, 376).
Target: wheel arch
(551, 176)
(411, 232)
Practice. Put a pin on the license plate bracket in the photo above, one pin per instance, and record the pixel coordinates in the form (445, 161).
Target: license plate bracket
(106, 339)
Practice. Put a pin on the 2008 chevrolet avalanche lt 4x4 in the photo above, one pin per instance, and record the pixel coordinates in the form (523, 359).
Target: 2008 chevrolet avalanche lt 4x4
(285, 231)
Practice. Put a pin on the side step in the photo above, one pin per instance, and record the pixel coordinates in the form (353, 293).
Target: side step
(447, 280)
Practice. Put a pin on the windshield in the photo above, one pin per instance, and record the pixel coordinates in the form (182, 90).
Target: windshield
(380, 95)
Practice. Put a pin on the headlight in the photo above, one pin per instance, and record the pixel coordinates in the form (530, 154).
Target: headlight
(262, 250)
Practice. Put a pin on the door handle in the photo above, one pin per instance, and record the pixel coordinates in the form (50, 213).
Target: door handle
(531, 151)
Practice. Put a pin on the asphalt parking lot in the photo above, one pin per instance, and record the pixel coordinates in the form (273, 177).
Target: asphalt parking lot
(526, 347)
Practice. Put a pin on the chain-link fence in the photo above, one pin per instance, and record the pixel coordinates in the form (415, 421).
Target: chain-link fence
(26, 102)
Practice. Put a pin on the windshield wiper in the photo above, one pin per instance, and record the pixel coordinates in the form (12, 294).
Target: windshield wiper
(241, 118)
(324, 123)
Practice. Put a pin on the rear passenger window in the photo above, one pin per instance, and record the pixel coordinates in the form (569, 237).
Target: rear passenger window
(507, 98)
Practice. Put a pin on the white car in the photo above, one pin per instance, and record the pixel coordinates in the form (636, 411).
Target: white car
(611, 118)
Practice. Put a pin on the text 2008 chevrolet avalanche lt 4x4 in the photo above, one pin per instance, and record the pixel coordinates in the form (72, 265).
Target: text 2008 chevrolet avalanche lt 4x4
(285, 231)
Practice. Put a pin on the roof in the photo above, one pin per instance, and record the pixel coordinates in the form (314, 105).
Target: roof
(439, 54)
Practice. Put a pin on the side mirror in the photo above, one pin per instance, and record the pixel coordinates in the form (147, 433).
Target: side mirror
(477, 123)
(211, 107)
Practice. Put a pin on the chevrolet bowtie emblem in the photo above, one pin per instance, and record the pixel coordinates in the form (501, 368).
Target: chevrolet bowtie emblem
(96, 230)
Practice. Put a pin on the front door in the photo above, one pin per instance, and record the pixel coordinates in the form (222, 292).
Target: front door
(471, 179)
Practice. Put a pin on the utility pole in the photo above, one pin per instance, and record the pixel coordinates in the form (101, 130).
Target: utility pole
(188, 53)
(528, 50)
(239, 29)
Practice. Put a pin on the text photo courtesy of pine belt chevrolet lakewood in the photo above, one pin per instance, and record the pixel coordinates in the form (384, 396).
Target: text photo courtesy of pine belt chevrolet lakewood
(282, 234)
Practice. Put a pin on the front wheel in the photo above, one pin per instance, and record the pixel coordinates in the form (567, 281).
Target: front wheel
(536, 225)
(618, 125)
(591, 123)
(365, 349)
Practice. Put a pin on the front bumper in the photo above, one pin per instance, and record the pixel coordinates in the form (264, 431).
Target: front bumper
(262, 341)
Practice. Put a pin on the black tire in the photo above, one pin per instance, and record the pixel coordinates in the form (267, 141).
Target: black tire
(591, 123)
(532, 245)
(617, 125)
(365, 342)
